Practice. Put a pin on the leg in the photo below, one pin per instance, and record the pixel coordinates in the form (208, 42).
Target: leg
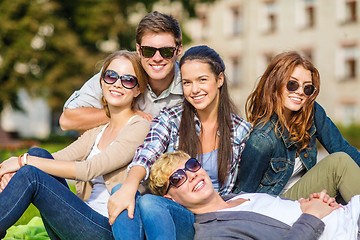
(336, 173)
(165, 219)
(126, 228)
(39, 152)
(67, 215)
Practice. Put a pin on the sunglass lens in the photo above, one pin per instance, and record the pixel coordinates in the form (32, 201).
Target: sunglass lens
(292, 86)
(129, 81)
(167, 52)
(178, 178)
(192, 165)
(148, 51)
(110, 77)
(309, 89)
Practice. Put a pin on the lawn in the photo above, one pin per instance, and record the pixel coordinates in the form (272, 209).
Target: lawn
(51, 146)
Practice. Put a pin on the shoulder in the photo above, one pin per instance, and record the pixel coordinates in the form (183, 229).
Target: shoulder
(172, 112)
(239, 122)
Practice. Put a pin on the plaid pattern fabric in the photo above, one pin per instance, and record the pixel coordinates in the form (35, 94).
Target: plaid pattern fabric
(164, 137)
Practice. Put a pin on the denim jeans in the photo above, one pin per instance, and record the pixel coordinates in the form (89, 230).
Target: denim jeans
(165, 219)
(125, 228)
(65, 215)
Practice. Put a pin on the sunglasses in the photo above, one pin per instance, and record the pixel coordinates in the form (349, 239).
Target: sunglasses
(308, 89)
(179, 177)
(128, 81)
(165, 52)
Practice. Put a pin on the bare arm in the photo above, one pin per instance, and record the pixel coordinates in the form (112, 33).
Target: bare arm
(82, 118)
(124, 198)
(63, 169)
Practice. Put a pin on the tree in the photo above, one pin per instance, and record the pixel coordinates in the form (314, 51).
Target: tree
(50, 47)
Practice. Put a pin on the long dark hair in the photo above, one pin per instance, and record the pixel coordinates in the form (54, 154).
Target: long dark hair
(189, 140)
(266, 99)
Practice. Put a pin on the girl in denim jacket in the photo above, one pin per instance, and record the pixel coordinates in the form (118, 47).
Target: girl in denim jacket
(280, 156)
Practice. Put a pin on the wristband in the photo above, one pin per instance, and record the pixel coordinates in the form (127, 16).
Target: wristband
(25, 162)
(19, 160)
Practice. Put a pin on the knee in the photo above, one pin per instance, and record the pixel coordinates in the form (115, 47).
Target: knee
(39, 152)
(340, 162)
(28, 171)
(150, 203)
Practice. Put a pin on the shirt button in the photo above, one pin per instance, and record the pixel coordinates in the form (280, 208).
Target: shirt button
(306, 155)
(107, 183)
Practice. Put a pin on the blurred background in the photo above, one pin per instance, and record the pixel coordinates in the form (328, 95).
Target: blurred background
(49, 48)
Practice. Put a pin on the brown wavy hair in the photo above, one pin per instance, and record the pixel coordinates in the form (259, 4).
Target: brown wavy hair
(267, 99)
(189, 141)
(140, 73)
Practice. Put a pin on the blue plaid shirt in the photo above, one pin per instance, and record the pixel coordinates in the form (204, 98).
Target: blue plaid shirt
(164, 137)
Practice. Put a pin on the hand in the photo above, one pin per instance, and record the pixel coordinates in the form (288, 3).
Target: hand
(8, 166)
(147, 116)
(119, 201)
(319, 206)
(5, 179)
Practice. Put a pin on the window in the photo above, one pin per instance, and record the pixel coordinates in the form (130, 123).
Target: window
(237, 27)
(235, 69)
(350, 113)
(305, 13)
(350, 62)
(309, 13)
(308, 54)
(268, 21)
(350, 10)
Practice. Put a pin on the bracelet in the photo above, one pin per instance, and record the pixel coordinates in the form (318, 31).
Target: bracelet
(19, 160)
(25, 162)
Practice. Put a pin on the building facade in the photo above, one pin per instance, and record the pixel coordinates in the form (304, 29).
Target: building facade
(248, 33)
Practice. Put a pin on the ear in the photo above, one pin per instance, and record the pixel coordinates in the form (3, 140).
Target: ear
(179, 50)
(137, 91)
(220, 80)
(138, 49)
(168, 197)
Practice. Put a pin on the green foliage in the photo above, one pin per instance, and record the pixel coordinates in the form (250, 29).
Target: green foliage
(50, 47)
(351, 133)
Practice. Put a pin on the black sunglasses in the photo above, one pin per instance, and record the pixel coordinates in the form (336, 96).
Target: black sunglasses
(292, 86)
(128, 81)
(179, 177)
(165, 52)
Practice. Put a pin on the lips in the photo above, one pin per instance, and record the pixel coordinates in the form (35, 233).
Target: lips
(199, 186)
(198, 98)
(296, 99)
(157, 67)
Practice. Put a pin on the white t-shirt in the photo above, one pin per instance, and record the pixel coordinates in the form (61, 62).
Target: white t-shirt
(341, 224)
(298, 172)
(99, 194)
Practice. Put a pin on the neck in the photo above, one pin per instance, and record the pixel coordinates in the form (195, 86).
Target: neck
(212, 204)
(159, 85)
(119, 117)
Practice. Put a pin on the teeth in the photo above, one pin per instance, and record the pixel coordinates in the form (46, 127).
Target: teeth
(296, 99)
(116, 93)
(198, 97)
(157, 67)
(197, 186)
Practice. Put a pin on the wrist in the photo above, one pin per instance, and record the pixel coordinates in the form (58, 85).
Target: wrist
(20, 160)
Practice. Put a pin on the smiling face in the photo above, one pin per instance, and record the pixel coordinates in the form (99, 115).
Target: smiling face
(115, 94)
(201, 85)
(197, 191)
(157, 67)
(294, 101)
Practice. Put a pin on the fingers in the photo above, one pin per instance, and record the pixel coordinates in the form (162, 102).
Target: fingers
(131, 210)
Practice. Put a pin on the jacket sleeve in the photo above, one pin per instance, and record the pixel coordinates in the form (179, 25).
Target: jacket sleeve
(118, 155)
(330, 137)
(88, 96)
(79, 148)
(254, 161)
(307, 227)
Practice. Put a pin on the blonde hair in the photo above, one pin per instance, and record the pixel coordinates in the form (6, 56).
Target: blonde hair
(140, 73)
(162, 169)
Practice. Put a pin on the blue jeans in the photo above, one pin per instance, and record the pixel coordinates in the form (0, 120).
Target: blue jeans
(165, 219)
(126, 228)
(65, 215)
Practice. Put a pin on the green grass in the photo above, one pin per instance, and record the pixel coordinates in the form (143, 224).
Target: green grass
(51, 147)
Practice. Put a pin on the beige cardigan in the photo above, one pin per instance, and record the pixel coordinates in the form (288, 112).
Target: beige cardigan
(111, 163)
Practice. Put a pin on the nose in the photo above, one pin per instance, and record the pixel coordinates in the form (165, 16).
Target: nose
(195, 87)
(118, 84)
(191, 175)
(300, 90)
(157, 56)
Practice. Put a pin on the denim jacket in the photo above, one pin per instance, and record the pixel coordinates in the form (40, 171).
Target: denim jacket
(267, 161)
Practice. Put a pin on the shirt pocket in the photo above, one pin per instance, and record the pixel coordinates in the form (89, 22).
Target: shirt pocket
(276, 170)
